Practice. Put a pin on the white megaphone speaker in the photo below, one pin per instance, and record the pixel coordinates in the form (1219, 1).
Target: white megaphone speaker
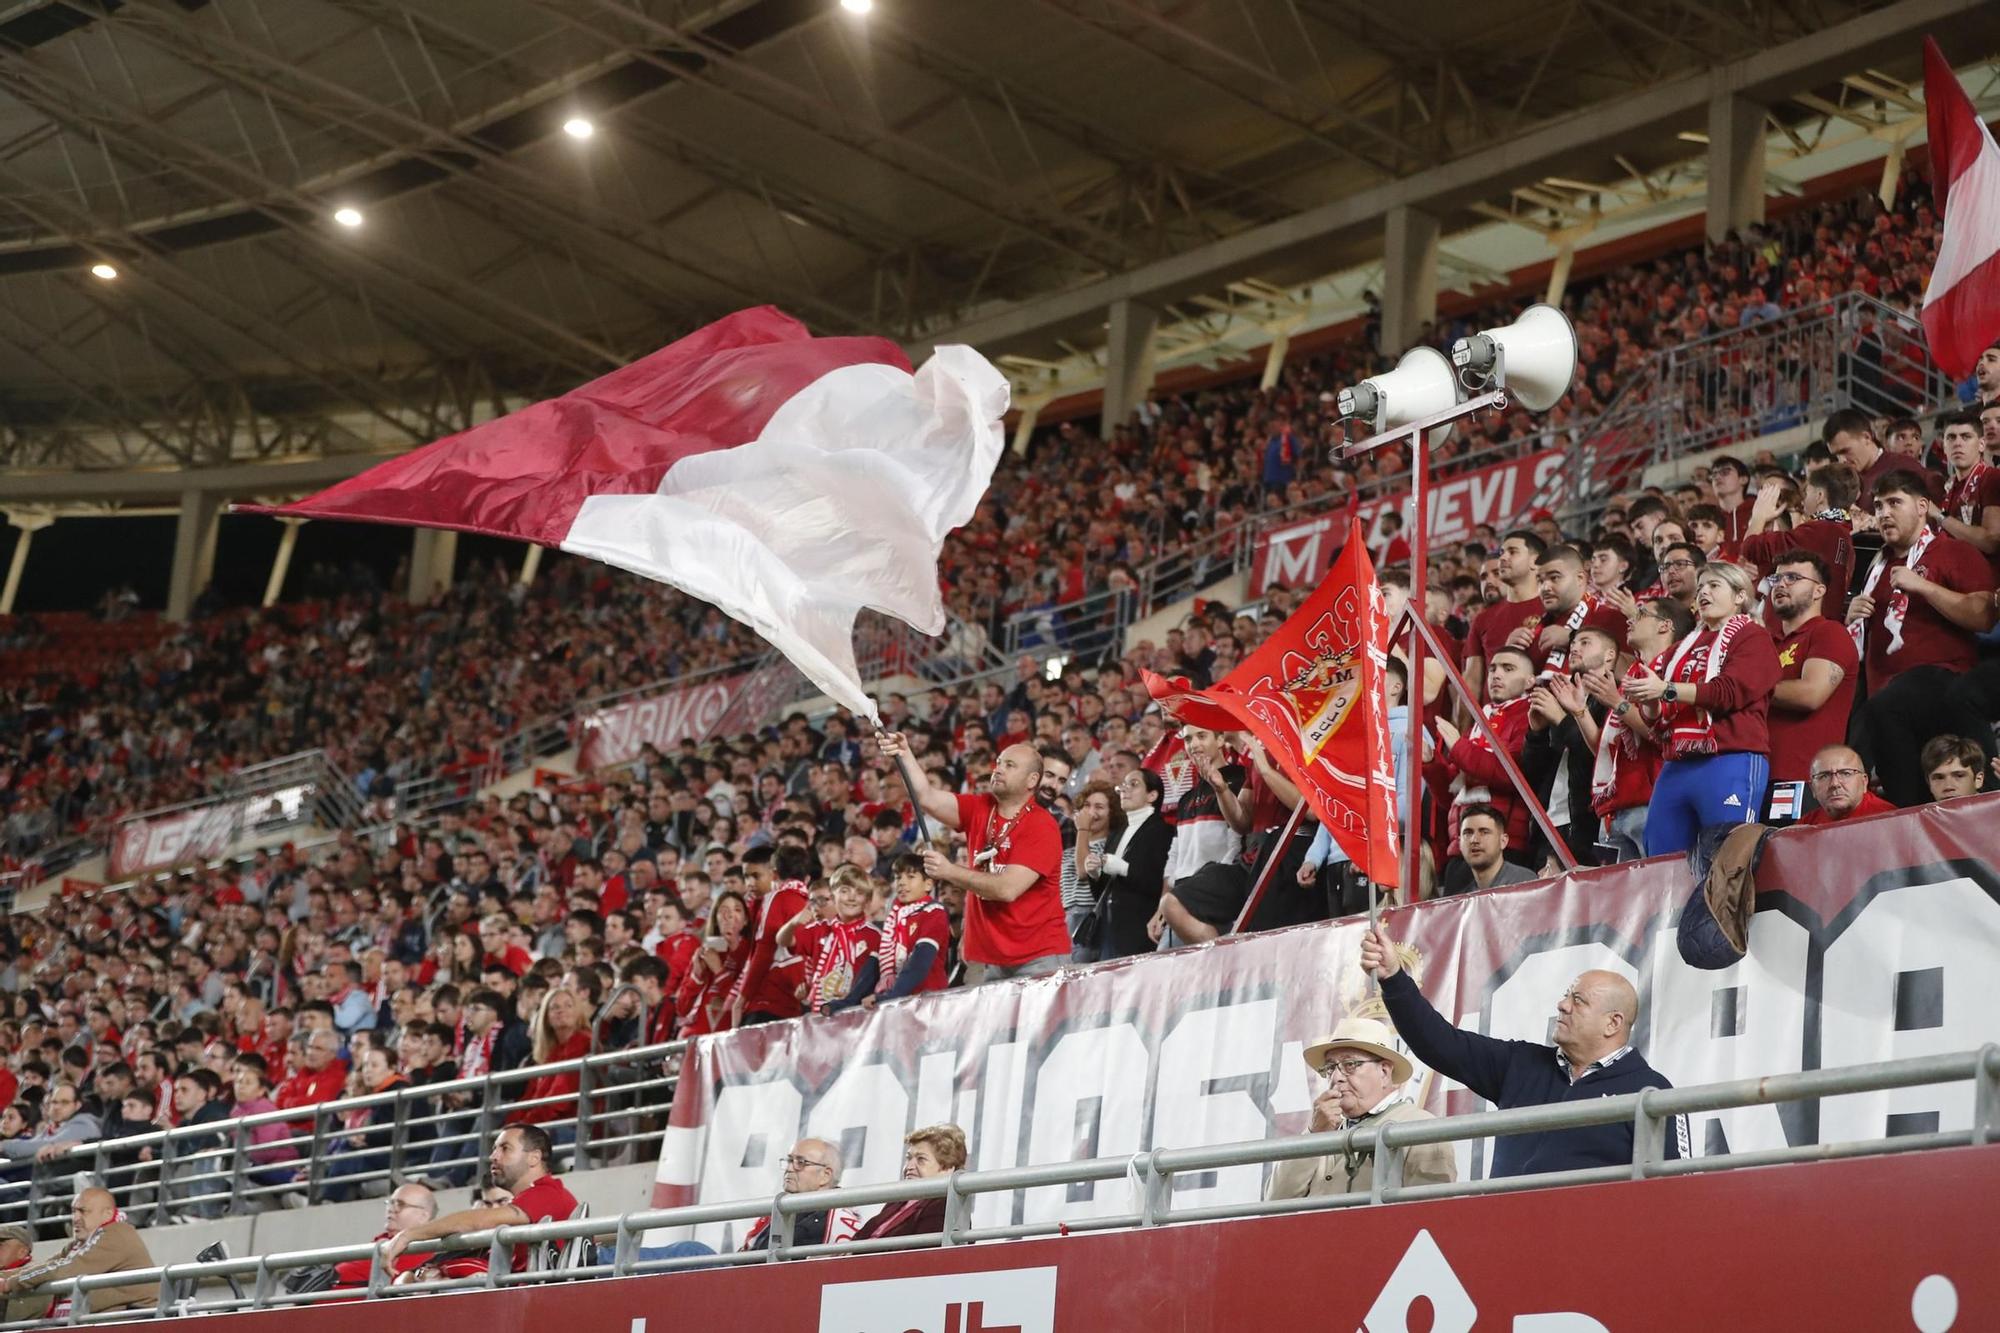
(1422, 385)
(1533, 359)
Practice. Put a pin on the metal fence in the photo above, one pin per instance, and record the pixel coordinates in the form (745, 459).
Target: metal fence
(355, 1147)
(613, 1246)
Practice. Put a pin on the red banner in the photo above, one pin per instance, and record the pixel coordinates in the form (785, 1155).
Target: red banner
(616, 735)
(160, 842)
(1874, 940)
(1883, 1243)
(1301, 552)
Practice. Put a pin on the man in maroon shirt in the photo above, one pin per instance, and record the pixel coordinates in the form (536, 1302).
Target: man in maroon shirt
(1926, 595)
(767, 988)
(1840, 783)
(1731, 482)
(1562, 581)
(1972, 492)
(1014, 923)
(1850, 435)
(1819, 524)
(1817, 667)
(1512, 621)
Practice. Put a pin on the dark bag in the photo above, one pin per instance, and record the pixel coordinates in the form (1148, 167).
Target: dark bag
(1090, 931)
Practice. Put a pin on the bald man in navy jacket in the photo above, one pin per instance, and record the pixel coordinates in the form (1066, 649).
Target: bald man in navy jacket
(1592, 1057)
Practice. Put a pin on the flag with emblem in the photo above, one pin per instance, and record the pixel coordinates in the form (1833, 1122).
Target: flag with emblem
(1313, 694)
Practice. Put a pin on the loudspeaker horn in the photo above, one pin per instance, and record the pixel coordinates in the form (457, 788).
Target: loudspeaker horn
(1422, 384)
(1533, 359)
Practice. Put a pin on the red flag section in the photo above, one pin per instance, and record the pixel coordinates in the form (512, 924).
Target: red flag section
(1962, 304)
(526, 475)
(1313, 695)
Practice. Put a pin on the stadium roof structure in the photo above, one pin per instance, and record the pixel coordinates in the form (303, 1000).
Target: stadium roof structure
(234, 231)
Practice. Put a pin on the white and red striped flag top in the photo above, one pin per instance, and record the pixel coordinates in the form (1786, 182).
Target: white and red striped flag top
(1962, 305)
(787, 479)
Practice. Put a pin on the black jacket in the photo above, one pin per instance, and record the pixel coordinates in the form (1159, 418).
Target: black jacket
(1134, 896)
(1526, 1073)
(1560, 755)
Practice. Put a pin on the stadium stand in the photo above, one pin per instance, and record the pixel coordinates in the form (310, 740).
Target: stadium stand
(325, 1020)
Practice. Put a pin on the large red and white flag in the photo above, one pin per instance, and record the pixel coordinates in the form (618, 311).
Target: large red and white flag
(1313, 694)
(1962, 305)
(787, 479)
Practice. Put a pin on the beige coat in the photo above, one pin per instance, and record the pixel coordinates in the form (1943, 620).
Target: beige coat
(113, 1248)
(1309, 1177)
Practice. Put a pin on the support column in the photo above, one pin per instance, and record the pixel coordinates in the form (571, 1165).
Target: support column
(194, 551)
(423, 552)
(1274, 355)
(1409, 278)
(531, 564)
(444, 562)
(29, 522)
(1735, 164)
(281, 564)
(1029, 406)
(1128, 362)
(1559, 273)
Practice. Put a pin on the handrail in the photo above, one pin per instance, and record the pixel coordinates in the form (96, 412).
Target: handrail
(1151, 1174)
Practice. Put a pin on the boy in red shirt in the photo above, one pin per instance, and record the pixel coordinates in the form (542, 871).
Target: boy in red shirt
(836, 951)
(916, 940)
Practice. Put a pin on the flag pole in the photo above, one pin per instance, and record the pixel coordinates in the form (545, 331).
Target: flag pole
(1420, 542)
(908, 772)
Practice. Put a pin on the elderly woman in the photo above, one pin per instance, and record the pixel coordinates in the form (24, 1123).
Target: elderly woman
(936, 1151)
(1708, 700)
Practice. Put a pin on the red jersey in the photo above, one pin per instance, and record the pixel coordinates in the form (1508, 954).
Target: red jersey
(770, 980)
(547, 1200)
(1968, 498)
(1829, 539)
(1491, 627)
(1871, 804)
(912, 924)
(1736, 702)
(1926, 638)
(1887, 463)
(677, 951)
(1032, 926)
(1796, 737)
(1589, 612)
(839, 950)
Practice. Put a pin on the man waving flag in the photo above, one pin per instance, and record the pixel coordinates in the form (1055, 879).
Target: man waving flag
(787, 479)
(1962, 305)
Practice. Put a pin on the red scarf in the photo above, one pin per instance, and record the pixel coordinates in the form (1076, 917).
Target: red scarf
(1500, 717)
(1896, 607)
(842, 948)
(1699, 658)
(1619, 750)
(1962, 496)
(1573, 622)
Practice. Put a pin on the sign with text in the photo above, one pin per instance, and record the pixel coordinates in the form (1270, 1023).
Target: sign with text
(1873, 940)
(616, 734)
(160, 842)
(1301, 552)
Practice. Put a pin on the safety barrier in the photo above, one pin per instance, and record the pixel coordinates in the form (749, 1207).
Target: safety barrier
(1151, 1175)
(433, 1130)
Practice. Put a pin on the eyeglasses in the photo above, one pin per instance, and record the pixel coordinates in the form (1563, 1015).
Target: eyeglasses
(1347, 1068)
(798, 1163)
(1843, 774)
(1781, 580)
(1677, 564)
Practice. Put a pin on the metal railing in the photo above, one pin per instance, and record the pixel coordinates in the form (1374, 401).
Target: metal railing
(272, 799)
(1151, 1177)
(320, 1154)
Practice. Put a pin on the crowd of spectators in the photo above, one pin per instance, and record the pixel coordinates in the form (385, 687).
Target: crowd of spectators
(1806, 640)
(394, 691)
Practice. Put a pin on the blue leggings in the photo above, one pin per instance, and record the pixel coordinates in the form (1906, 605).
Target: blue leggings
(1691, 794)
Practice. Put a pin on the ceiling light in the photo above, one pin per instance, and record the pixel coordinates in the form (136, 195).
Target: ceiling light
(104, 271)
(857, 6)
(576, 127)
(347, 217)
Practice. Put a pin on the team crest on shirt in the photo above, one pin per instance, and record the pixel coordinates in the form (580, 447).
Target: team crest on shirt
(1320, 696)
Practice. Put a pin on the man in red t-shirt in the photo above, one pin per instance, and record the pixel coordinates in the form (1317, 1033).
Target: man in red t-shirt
(1014, 924)
(1925, 597)
(767, 989)
(1840, 784)
(521, 1159)
(1817, 667)
(1512, 621)
(1819, 524)
(1972, 492)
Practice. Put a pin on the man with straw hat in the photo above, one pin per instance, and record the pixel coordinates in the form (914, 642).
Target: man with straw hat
(1364, 1075)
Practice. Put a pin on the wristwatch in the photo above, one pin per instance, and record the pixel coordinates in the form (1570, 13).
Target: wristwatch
(1624, 707)
(1672, 694)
